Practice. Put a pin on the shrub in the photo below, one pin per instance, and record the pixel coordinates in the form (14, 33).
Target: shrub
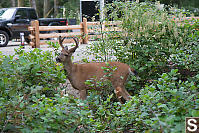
(159, 107)
(152, 41)
(26, 76)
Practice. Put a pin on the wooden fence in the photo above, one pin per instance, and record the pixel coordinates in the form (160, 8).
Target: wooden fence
(38, 38)
(85, 31)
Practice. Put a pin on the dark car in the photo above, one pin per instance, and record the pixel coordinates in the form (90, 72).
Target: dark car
(14, 21)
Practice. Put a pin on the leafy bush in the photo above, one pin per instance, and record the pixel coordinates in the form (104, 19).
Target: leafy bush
(161, 106)
(152, 41)
(164, 104)
(24, 77)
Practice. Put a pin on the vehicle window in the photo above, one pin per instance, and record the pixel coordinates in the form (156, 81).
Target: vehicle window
(22, 13)
(33, 14)
(6, 13)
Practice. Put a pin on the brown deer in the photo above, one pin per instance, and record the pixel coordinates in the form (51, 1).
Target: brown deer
(78, 74)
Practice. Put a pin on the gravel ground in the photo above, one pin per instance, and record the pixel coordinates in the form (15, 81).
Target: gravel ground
(78, 55)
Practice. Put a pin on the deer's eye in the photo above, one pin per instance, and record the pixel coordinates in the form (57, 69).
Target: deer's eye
(65, 48)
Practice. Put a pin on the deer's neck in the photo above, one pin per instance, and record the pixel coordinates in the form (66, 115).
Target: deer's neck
(68, 66)
(71, 68)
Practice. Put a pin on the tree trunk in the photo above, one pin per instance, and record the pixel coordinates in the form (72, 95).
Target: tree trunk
(55, 8)
(46, 8)
(33, 4)
(20, 3)
(13, 3)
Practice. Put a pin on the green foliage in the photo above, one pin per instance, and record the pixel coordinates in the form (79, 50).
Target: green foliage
(152, 41)
(72, 9)
(165, 103)
(164, 52)
(26, 76)
(35, 68)
(161, 106)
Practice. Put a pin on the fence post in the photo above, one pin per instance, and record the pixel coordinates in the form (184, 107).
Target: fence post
(37, 39)
(32, 33)
(85, 31)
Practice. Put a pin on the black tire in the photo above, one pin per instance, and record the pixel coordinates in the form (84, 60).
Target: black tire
(4, 38)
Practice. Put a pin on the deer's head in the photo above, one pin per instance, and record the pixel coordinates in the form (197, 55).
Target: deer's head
(65, 52)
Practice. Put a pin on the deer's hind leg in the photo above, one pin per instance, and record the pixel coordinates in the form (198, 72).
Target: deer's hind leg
(122, 92)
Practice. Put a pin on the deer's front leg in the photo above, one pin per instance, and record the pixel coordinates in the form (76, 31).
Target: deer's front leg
(121, 92)
(83, 94)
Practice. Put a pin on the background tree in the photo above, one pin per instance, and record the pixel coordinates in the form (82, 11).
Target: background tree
(21, 3)
(5, 3)
(33, 4)
(56, 3)
(46, 8)
(13, 3)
